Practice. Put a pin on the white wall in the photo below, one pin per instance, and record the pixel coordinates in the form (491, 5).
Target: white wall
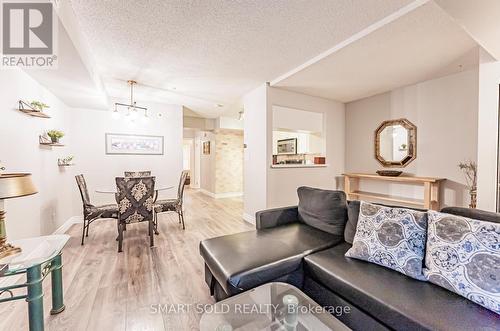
(20, 151)
(100, 169)
(445, 113)
(257, 139)
(283, 183)
(228, 123)
(489, 80)
(58, 199)
(296, 119)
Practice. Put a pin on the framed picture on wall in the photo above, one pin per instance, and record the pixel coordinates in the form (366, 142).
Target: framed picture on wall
(206, 147)
(131, 144)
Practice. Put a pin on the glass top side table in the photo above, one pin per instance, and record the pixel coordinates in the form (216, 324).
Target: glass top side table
(40, 256)
(273, 307)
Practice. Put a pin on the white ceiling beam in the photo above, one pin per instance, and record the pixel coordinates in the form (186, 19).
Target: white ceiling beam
(371, 28)
(479, 19)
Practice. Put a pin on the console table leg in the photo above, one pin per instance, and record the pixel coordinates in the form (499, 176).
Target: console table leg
(57, 288)
(35, 298)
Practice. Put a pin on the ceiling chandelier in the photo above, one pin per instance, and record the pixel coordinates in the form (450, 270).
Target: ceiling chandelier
(132, 109)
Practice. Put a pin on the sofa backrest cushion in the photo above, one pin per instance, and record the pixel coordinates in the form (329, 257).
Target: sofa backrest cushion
(476, 214)
(325, 210)
(352, 220)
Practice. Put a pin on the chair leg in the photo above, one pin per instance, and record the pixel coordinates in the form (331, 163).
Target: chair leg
(83, 233)
(151, 234)
(120, 237)
(182, 217)
(88, 226)
(150, 231)
(118, 229)
(156, 223)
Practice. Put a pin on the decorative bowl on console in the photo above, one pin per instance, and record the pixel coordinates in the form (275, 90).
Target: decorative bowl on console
(389, 173)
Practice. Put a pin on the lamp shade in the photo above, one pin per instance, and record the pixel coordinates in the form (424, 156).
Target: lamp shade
(16, 185)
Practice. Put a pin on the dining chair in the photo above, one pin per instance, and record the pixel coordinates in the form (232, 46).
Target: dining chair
(175, 205)
(90, 211)
(137, 173)
(135, 198)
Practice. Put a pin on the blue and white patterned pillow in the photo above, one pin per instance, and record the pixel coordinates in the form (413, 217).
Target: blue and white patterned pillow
(463, 256)
(391, 237)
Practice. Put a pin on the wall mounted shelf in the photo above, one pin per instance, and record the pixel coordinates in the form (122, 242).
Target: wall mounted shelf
(430, 199)
(52, 144)
(29, 110)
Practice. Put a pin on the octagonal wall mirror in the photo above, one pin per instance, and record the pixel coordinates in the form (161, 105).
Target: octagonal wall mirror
(396, 143)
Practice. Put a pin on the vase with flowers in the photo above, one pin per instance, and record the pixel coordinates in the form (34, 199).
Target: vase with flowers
(469, 169)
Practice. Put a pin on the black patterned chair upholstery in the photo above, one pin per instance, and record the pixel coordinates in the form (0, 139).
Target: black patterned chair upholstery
(135, 198)
(137, 174)
(91, 212)
(175, 205)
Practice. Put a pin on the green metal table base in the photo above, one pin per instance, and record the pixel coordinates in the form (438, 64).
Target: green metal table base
(34, 278)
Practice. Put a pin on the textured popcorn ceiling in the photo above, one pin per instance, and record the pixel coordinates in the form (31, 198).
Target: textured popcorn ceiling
(424, 44)
(214, 51)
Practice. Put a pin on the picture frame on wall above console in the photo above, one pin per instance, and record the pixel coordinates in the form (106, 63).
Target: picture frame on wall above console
(396, 143)
(287, 146)
(133, 144)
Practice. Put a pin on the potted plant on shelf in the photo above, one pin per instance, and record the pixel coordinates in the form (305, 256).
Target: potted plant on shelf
(470, 170)
(67, 161)
(55, 135)
(38, 105)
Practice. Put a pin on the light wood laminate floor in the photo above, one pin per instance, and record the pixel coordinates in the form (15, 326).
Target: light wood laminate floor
(107, 290)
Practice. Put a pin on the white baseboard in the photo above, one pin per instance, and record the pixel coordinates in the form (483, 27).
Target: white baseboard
(228, 195)
(221, 195)
(210, 194)
(66, 225)
(249, 218)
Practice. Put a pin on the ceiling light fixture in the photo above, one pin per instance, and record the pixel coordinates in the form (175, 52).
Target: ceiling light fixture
(132, 108)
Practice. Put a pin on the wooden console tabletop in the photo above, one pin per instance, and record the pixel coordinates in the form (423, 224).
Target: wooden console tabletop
(429, 201)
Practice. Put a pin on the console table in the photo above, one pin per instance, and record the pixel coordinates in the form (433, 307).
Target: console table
(40, 257)
(431, 186)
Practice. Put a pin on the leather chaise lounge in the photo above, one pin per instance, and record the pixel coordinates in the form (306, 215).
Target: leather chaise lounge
(283, 248)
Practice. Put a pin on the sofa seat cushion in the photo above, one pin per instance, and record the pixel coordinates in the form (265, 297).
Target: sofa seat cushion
(396, 300)
(245, 260)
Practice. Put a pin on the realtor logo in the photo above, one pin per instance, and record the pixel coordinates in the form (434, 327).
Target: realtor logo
(28, 31)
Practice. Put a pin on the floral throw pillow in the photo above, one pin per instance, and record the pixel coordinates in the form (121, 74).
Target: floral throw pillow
(391, 237)
(463, 256)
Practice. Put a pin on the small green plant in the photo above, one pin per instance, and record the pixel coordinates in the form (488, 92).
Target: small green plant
(66, 161)
(38, 105)
(55, 135)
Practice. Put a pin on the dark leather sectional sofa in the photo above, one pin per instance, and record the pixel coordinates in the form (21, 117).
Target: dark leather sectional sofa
(284, 249)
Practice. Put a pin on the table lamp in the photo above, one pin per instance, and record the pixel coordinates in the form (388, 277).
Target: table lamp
(12, 186)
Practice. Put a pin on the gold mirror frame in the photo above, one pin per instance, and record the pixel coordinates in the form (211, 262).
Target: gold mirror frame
(412, 143)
